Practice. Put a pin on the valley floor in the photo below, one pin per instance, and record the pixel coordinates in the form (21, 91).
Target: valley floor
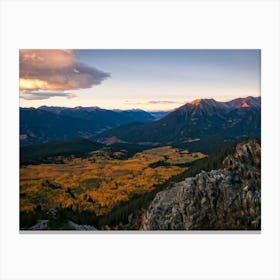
(99, 182)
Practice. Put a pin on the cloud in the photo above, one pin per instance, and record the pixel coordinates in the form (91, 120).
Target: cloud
(40, 95)
(153, 102)
(162, 102)
(56, 70)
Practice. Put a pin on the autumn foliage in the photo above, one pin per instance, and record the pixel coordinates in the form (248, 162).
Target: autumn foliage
(100, 181)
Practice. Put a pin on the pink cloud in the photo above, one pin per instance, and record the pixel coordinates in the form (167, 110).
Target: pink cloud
(56, 70)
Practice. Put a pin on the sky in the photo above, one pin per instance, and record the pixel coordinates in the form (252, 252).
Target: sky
(152, 80)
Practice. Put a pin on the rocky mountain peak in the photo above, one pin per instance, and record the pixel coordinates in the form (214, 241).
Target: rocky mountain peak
(247, 102)
(245, 105)
(224, 199)
(203, 102)
(196, 102)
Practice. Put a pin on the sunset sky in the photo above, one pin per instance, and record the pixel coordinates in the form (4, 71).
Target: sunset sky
(145, 79)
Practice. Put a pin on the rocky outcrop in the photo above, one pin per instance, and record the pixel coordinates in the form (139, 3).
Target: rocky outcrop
(74, 226)
(224, 199)
(69, 225)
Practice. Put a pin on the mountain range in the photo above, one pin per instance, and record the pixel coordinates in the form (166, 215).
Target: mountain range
(192, 122)
(201, 118)
(46, 124)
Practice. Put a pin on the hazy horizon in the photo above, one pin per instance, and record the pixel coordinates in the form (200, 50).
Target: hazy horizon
(150, 80)
(147, 110)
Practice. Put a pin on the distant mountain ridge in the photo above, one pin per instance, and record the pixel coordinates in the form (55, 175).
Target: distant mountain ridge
(41, 125)
(57, 123)
(136, 115)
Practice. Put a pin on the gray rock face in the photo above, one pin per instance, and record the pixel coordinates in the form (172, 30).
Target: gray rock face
(224, 199)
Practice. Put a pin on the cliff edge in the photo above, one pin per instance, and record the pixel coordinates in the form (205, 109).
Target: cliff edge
(224, 199)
